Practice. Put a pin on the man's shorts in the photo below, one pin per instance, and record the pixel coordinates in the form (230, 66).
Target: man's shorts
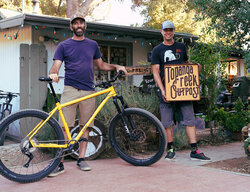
(86, 108)
(167, 112)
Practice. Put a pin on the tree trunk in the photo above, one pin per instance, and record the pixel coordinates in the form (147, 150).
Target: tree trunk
(72, 7)
(79, 6)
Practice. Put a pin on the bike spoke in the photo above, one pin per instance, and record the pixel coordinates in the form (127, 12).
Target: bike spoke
(142, 141)
(17, 154)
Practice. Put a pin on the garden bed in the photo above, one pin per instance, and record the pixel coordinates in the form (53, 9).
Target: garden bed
(240, 165)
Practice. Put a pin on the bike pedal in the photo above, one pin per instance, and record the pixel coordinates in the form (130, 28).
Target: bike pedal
(82, 139)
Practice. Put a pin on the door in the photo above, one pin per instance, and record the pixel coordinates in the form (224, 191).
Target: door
(33, 64)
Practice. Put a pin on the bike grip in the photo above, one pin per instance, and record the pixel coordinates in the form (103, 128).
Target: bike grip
(44, 79)
(121, 72)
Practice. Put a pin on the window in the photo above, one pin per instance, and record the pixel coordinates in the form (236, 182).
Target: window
(113, 54)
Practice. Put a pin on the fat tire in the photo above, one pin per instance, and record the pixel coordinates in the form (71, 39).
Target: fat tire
(152, 119)
(27, 178)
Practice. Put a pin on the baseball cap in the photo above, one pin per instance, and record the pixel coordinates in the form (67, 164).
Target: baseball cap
(76, 16)
(167, 24)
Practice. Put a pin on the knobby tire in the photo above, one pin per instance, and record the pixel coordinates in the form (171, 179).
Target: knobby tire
(13, 160)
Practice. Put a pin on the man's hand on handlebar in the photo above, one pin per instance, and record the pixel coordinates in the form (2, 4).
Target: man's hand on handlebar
(121, 68)
(54, 77)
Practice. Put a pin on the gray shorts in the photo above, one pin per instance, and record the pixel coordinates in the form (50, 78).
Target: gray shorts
(185, 109)
(86, 108)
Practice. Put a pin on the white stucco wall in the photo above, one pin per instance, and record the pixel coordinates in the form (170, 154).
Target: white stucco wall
(10, 61)
(9, 54)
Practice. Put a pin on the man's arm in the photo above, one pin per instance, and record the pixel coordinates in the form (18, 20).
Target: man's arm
(53, 72)
(109, 67)
(157, 78)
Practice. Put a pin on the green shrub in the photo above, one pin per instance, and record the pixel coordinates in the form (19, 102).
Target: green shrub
(239, 118)
(181, 139)
(235, 120)
(133, 97)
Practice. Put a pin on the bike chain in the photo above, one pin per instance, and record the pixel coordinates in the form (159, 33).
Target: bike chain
(62, 152)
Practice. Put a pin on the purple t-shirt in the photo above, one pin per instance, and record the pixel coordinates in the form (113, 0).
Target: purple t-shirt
(78, 58)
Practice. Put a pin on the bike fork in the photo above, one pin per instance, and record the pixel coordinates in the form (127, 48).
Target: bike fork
(121, 112)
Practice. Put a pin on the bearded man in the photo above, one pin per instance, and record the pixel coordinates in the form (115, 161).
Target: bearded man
(79, 55)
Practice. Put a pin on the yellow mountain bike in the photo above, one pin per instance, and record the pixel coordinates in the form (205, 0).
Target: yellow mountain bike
(136, 134)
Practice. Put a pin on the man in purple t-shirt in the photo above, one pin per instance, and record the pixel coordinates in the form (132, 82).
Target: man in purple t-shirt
(79, 55)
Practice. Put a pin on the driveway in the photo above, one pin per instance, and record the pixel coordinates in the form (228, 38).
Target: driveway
(115, 175)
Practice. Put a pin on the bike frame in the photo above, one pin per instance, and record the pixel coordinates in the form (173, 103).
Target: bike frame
(111, 93)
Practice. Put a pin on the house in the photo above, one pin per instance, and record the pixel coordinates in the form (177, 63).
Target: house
(28, 43)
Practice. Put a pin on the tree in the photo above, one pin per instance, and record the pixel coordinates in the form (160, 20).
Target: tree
(229, 18)
(47, 7)
(15, 5)
(53, 7)
(86, 7)
(63, 8)
(156, 12)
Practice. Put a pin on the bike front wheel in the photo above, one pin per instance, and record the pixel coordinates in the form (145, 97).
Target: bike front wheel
(137, 136)
(5, 113)
(19, 160)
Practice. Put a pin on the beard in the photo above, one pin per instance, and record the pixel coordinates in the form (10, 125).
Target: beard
(79, 33)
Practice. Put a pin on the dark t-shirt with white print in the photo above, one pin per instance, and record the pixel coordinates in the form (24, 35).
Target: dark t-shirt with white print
(163, 55)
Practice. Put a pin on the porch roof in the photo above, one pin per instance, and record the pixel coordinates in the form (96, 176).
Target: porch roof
(63, 23)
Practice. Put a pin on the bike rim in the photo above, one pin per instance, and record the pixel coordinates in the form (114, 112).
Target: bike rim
(11, 152)
(145, 145)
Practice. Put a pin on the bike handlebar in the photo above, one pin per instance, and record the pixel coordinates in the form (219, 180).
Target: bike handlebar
(102, 84)
(107, 83)
(47, 79)
(8, 96)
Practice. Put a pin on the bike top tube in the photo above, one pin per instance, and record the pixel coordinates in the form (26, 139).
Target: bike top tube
(104, 84)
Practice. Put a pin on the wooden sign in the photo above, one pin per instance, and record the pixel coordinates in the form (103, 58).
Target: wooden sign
(139, 70)
(182, 82)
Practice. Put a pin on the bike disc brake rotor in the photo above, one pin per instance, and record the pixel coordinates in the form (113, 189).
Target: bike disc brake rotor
(138, 135)
(25, 144)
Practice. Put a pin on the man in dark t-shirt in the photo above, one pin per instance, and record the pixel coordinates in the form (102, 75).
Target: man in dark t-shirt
(171, 52)
(79, 55)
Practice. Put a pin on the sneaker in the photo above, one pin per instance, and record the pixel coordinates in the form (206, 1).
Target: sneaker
(57, 171)
(170, 155)
(83, 165)
(199, 156)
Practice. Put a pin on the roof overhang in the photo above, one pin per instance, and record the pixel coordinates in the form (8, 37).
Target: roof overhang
(63, 23)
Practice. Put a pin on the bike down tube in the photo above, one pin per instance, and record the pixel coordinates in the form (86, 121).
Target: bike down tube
(112, 93)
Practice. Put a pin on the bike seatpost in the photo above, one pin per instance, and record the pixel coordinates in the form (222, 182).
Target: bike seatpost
(53, 92)
(49, 80)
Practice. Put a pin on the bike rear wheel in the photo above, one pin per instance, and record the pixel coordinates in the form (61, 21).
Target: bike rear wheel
(21, 162)
(143, 143)
(96, 140)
